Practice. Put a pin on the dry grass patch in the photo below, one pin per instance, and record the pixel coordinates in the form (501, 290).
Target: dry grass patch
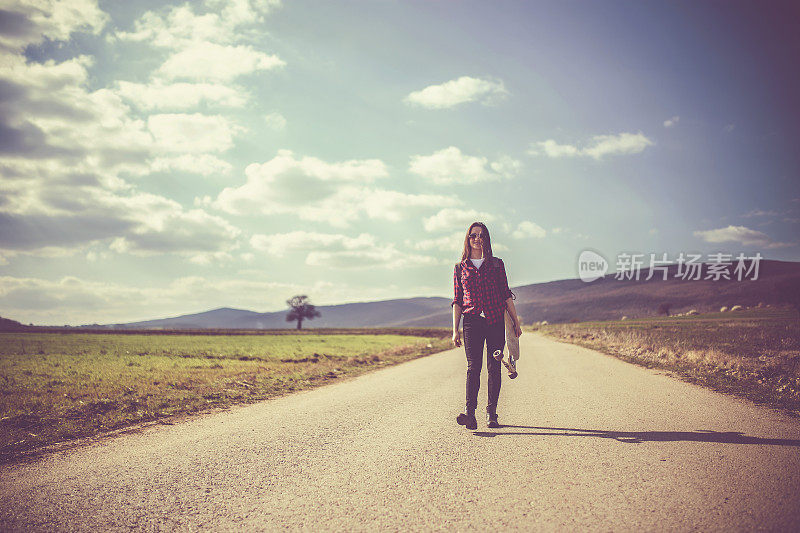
(753, 353)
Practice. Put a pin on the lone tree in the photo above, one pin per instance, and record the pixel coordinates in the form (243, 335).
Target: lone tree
(664, 308)
(301, 309)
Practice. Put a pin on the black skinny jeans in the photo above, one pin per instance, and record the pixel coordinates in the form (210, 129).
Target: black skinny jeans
(478, 332)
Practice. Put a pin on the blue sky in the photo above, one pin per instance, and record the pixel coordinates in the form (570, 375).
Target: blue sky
(160, 159)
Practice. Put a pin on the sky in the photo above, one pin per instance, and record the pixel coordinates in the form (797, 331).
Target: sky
(158, 158)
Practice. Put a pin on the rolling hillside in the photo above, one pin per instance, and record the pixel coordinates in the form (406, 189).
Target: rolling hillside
(608, 298)
(555, 301)
(369, 314)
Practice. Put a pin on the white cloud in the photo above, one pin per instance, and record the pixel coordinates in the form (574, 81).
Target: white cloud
(459, 91)
(600, 146)
(215, 62)
(760, 213)
(275, 121)
(281, 243)
(192, 133)
(67, 147)
(568, 231)
(71, 219)
(314, 189)
(741, 234)
(207, 258)
(396, 206)
(505, 166)
(527, 229)
(455, 219)
(386, 256)
(449, 165)
(94, 256)
(179, 26)
(160, 225)
(294, 188)
(180, 96)
(241, 12)
(203, 164)
(49, 112)
(624, 143)
(552, 149)
(447, 243)
(33, 21)
(339, 251)
(284, 163)
(207, 46)
(57, 125)
(49, 75)
(671, 121)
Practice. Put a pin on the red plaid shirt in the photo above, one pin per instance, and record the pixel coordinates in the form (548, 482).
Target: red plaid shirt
(482, 289)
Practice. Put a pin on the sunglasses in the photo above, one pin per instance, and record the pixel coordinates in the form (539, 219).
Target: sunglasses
(476, 235)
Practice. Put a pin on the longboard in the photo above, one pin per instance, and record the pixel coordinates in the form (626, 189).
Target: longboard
(509, 363)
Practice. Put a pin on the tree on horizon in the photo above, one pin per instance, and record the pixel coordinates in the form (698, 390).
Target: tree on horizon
(301, 309)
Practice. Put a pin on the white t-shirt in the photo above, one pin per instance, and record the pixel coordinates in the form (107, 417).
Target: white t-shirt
(477, 262)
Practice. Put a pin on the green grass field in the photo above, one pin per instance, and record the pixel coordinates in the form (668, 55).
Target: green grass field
(753, 353)
(58, 386)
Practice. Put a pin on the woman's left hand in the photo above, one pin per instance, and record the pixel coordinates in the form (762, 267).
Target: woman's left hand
(517, 329)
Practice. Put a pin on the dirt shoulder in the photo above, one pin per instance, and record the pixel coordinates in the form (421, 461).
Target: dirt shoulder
(754, 354)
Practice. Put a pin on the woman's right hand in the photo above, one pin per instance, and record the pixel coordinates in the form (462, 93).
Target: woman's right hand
(457, 338)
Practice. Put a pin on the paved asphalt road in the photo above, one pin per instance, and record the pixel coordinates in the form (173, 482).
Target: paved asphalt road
(587, 442)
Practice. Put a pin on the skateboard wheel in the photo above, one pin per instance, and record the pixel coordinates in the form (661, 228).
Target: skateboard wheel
(512, 376)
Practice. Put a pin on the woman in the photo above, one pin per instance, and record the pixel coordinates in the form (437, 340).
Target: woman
(482, 296)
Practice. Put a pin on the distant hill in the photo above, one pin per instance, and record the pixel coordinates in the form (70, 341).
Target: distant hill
(609, 299)
(369, 314)
(7, 324)
(555, 301)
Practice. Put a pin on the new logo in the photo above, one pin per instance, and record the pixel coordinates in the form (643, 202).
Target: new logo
(591, 266)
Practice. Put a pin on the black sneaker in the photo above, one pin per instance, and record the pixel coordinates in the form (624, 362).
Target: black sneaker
(467, 420)
(491, 420)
